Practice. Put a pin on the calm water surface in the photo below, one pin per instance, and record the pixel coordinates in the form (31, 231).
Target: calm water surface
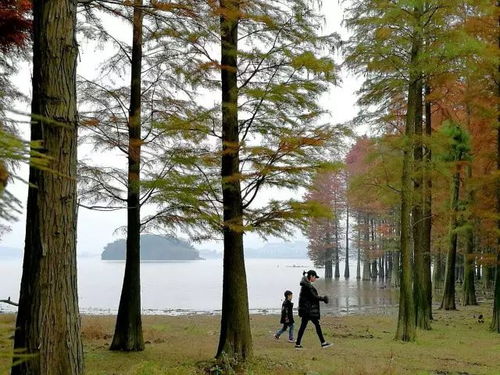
(196, 286)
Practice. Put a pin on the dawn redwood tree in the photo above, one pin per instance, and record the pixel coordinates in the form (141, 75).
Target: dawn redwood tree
(323, 231)
(265, 132)
(388, 41)
(48, 320)
(495, 322)
(128, 330)
(458, 153)
(426, 282)
(469, 290)
(235, 336)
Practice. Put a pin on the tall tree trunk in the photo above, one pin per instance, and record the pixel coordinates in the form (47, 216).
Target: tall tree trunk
(406, 315)
(420, 285)
(388, 269)
(329, 257)
(128, 328)
(358, 262)
(329, 266)
(373, 272)
(337, 250)
(438, 271)
(396, 270)
(448, 302)
(488, 277)
(427, 205)
(235, 336)
(366, 259)
(495, 322)
(48, 320)
(469, 290)
(346, 267)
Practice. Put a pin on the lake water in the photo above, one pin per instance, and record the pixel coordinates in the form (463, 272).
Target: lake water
(196, 286)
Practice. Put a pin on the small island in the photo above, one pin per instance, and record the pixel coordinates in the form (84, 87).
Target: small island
(153, 248)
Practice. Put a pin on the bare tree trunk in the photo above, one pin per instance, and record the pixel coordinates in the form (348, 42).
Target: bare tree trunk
(235, 336)
(495, 322)
(328, 268)
(420, 285)
(438, 272)
(337, 249)
(358, 263)
(427, 205)
(346, 268)
(448, 302)
(48, 320)
(366, 259)
(128, 330)
(469, 290)
(373, 272)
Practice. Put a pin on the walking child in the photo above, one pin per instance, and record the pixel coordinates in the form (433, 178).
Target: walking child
(309, 307)
(286, 317)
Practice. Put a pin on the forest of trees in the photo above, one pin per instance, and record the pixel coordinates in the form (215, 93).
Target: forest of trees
(420, 192)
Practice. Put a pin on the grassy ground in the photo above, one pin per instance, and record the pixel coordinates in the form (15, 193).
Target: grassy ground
(457, 344)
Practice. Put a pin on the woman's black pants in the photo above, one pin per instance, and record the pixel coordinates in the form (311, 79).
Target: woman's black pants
(303, 325)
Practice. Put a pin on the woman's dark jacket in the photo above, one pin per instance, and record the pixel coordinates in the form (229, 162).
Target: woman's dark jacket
(287, 312)
(309, 300)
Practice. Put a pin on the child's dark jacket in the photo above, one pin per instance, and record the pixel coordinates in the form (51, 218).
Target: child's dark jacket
(287, 312)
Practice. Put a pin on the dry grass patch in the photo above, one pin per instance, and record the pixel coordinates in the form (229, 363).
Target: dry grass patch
(457, 344)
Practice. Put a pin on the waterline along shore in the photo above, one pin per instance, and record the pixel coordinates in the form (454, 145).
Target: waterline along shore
(459, 343)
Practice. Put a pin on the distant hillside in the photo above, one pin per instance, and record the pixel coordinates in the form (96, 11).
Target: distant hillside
(295, 250)
(210, 254)
(10, 252)
(153, 247)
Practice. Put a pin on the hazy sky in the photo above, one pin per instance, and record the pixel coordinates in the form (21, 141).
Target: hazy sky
(96, 229)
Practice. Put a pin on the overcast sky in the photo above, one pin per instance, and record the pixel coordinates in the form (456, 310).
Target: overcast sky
(96, 229)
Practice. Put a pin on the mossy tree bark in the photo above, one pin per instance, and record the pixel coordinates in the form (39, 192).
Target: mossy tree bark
(235, 337)
(48, 321)
(128, 330)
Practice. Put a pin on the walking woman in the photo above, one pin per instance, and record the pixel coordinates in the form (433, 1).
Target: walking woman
(309, 307)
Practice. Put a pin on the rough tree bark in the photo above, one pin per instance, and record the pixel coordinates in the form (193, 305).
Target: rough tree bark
(420, 286)
(128, 330)
(48, 320)
(235, 336)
